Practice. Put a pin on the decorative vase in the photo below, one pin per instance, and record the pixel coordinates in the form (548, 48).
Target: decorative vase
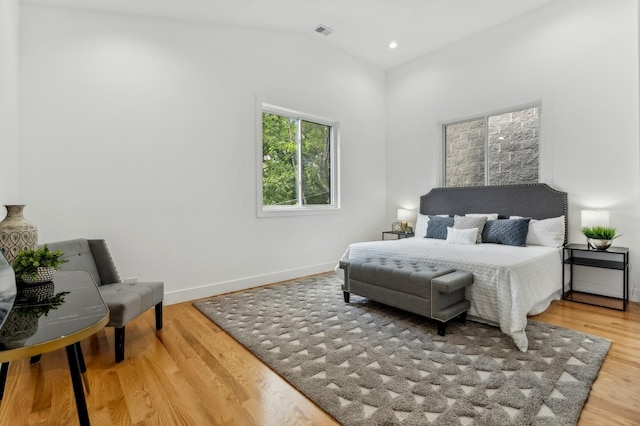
(35, 293)
(8, 289)
(17, 329)
(16, 233)
(43, 274)
(598, 244)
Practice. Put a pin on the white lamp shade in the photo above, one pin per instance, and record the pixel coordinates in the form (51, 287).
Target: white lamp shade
(404, 215)
(589, 218)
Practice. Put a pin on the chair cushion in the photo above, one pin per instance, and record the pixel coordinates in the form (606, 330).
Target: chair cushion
(128, 300)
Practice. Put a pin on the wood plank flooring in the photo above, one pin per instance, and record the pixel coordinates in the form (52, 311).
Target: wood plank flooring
(193, 373)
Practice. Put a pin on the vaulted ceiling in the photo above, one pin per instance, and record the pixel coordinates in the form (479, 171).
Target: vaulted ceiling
(362, 28)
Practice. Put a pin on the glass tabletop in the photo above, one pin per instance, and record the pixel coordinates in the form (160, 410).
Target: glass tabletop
(52, 315)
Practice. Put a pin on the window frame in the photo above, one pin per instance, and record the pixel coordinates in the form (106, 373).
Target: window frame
(485, 117)
(334, 141)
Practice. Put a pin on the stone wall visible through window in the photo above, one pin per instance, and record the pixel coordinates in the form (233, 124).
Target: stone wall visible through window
(493, 150)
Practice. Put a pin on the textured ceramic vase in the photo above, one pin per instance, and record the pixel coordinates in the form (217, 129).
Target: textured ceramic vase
(43, 275)
(16, 233)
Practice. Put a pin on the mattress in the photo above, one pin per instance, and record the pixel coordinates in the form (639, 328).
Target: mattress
(509, 282)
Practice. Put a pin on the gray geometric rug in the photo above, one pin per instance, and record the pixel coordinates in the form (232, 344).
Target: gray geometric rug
(368, 364)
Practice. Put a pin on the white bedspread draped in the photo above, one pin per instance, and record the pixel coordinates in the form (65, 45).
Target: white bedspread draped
(509, 282)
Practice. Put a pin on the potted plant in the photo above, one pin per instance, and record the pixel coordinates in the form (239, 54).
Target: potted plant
(599, 237)
(37, 265)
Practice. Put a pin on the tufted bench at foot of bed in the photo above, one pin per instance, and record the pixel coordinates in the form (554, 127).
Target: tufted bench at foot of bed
(425, 289)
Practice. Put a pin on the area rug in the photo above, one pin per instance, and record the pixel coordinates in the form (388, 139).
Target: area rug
(368, 364)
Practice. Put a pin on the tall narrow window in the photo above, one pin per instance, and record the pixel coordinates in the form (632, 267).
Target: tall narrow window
(298, 161)
(497, 149)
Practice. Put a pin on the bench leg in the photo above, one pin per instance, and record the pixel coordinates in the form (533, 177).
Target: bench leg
(346, 296)
(442, 328)
(463, 317)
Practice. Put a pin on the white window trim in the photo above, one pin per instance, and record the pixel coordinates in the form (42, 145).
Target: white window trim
(305, 210)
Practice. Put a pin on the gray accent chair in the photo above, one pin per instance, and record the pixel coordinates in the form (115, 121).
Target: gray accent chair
(126, 301)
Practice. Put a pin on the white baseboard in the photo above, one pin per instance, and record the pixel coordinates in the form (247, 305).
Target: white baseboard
(634, 294)
(193, 293)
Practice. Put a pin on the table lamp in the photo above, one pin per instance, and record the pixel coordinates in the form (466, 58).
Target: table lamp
(591, 218)
(404, 215)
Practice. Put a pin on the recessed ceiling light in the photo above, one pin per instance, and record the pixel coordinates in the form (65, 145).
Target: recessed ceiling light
(393, 45)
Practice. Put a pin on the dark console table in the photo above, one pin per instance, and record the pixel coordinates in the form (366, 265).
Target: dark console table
(616, 258)
(81, 314)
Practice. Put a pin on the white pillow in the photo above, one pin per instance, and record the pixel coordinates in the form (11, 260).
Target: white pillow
(461, 236)
(489, 216)
(422, 222)
(545, 232)
(421, 225)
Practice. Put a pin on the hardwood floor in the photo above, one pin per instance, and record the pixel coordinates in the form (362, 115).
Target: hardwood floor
(193, 373)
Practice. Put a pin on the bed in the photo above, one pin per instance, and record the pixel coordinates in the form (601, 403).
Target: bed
(510, 282)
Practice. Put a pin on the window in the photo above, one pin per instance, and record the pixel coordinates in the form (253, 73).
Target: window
(496, 149)
(298, 162)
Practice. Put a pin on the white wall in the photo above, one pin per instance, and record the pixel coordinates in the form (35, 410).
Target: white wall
(9, 178)
(142, 131)
(579, 58)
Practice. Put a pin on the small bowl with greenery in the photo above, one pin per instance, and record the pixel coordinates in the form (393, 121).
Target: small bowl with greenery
(37, 265)
(599, 237)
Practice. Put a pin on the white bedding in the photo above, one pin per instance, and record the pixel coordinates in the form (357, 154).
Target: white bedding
(509, 282)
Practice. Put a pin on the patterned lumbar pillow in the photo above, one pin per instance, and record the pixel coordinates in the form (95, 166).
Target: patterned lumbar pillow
(467, 222)
(512, 232)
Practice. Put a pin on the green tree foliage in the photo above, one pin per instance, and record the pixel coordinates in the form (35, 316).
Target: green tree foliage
(316, 163)
(280, 161)
(279, 149)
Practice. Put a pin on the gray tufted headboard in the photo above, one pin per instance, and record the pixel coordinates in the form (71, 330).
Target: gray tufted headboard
(536, 200)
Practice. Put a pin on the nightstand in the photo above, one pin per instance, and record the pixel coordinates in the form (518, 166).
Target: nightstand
(398, 235)
(615, 258)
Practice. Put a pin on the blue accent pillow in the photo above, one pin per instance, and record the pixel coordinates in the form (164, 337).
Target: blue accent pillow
(512, 232)
(438, 227)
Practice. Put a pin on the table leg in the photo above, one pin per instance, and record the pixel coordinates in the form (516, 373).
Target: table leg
(4, 370)
(76, 381)
(83, 367)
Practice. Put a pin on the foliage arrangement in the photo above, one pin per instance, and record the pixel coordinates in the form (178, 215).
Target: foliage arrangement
(27, 262)
(34, 308)
(281, 161)
(599, 232)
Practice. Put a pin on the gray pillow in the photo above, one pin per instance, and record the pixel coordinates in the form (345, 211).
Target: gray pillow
(512, 232)
(438, 227)
(467, 222)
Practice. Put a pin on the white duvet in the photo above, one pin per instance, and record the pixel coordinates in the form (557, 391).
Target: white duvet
(509, 282)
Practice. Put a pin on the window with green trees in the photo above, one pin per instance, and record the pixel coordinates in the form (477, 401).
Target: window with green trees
(298, 167)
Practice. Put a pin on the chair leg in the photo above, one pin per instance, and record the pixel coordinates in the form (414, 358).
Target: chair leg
(158, 310)
(119, 342)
